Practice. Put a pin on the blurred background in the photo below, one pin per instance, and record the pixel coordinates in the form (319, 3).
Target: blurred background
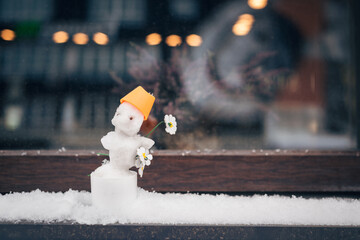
(249, 74)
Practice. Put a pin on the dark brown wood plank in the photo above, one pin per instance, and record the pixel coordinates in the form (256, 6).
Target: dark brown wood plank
(195, 171)
(46, 170)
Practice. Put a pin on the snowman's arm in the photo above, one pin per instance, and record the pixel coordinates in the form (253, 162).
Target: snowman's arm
(109, 141)
(147, 143)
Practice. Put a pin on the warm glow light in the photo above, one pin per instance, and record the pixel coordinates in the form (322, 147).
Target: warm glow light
(100, 38)
(173, 40)
(153, 39)
(241, 29)
(243, 25)
(246, 18)
(257, 4)
(194, 40)
(60, 37)
(80, 38)
(8, 35)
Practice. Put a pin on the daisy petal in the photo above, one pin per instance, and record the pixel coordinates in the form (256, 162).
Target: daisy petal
(140, 151)
(167, 129)
(141, 171)
(137, 163)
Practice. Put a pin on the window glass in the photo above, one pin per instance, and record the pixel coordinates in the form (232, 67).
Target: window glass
(256, 74)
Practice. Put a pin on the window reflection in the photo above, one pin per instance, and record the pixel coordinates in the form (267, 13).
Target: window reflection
(236, 74)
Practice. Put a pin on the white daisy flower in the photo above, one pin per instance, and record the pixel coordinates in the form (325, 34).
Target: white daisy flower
(144, 155)
(171, 125)
(143, 159)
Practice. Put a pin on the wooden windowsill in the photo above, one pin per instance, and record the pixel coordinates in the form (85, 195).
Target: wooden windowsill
(194, 171)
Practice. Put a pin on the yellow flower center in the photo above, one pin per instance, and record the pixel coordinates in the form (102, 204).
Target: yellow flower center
(170, 124)
(145, 157)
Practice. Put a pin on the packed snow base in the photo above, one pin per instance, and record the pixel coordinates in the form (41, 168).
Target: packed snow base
(174, 208)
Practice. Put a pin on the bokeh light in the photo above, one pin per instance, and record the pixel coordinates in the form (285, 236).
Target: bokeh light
(153, 39)
(243, 25)
(173, 40)
(60, 37)
(194, 40)
(257, 4)
(101, 38)
(80, 38)
(241, 29)
(8, 35)
(248, 18)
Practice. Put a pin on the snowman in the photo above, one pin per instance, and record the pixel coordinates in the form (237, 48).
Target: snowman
(113, 185)
(124, 141)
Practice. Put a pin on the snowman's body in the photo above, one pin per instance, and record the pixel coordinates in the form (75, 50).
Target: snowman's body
(124, 141)
(122, 149)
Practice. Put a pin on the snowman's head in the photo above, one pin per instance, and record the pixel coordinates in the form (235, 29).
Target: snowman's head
(127, 119)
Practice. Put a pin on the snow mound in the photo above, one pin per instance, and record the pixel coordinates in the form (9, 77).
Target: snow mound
(175, 208)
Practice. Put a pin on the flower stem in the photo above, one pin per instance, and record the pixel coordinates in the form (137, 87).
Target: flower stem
(154, 128)
(102, 154)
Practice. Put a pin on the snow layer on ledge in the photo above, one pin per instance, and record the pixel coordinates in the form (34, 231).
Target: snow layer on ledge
(173, 208)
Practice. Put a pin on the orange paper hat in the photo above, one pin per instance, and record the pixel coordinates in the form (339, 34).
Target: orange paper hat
(140, 99)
